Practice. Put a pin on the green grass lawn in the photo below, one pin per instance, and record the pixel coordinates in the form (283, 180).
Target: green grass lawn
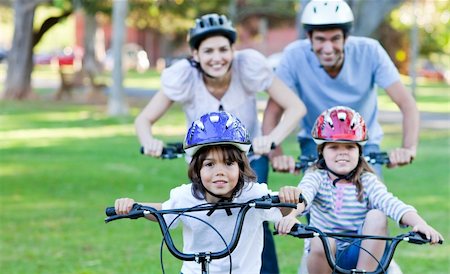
(62, 164)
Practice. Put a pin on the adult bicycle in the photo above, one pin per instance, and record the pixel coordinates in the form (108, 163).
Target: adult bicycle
(202, 258)
(170, 151)
(381, 158)
(304, 231)
(175, 150)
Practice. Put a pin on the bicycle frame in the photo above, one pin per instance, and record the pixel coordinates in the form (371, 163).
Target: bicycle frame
(303, 231)
(203, 258)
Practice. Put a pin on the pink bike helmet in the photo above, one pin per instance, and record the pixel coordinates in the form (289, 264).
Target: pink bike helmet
(341, 125)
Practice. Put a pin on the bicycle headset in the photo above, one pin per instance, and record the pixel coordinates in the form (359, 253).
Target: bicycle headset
(339, 125)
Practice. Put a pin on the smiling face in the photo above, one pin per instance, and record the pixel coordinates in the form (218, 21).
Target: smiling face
(218, 175)
(328, 45)
(215, 55)
(341, 158)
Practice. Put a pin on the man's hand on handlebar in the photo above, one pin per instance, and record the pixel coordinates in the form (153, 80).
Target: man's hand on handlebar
(284, 163)
(401, 156)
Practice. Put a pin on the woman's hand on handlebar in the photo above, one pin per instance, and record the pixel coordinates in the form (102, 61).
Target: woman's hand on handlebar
(262, 145)
(153, 148)
(401, 156)
(123, 205)
(284, 163)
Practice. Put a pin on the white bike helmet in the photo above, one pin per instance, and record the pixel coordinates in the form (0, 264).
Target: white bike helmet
(327, 14)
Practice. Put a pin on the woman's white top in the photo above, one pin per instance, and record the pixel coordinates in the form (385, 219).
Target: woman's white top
(199, 237)
(251, 73)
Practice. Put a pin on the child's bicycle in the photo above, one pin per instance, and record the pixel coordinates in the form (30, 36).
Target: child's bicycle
(202, 258)
(303, 231)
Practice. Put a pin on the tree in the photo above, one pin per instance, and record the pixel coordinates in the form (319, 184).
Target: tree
(20, 57)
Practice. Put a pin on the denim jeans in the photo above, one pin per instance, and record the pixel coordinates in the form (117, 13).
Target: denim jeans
(269, 255)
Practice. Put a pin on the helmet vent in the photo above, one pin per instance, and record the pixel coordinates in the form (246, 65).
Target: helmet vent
(342, 116)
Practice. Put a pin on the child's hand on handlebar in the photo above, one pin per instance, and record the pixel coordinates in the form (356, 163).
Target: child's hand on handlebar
(153, 147)
(284, 163)
(289, 194)
(123, 205)
(429, 232)
(401, 157)
(285, 224)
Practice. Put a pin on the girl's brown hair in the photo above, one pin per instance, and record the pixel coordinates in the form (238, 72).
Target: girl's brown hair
(229, 153)
(360, 169)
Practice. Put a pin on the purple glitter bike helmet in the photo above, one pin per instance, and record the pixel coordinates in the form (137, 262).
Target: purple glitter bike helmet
(216, 128)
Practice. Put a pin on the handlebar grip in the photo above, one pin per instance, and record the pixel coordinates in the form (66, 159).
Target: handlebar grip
(276, 199)
(419, 238)
(110, 211)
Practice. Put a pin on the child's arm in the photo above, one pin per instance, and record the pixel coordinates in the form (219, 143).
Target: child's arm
(285, 224)
(411, 218)
(124, 205)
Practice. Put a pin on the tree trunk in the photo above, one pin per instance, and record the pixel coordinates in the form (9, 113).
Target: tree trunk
(20, 59)
(91, 66)
(116, 101)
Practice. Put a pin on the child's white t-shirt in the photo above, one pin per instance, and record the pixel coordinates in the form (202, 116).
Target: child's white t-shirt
(199, 237)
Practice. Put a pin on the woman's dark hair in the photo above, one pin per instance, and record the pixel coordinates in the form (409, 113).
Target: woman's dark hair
(229, 153)
(360, 169)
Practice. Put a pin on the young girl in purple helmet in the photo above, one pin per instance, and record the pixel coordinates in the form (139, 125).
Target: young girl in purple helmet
(342, 194)
(220, 171)
(218, 77)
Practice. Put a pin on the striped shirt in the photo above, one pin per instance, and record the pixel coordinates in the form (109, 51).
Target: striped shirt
(337, 209)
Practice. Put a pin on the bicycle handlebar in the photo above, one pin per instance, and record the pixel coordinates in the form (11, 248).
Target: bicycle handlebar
(176, 150)
(138, 211)
(170, 151)
(303, 231)
(381, 158)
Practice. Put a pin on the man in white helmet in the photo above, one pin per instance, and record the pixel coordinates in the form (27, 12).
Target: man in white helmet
(331, 68)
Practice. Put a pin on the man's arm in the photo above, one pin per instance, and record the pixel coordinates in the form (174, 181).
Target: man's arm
(410, 124)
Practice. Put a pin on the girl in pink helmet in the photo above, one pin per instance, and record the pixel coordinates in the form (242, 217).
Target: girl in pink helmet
(342, 194)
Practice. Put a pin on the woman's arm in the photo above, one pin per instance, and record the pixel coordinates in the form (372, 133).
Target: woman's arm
(293, 111)
(143, 123)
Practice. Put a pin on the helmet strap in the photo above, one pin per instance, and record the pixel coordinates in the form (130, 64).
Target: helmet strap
(339, 176)
(222, 200)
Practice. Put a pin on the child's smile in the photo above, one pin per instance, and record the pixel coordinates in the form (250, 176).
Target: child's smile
(341, 158)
